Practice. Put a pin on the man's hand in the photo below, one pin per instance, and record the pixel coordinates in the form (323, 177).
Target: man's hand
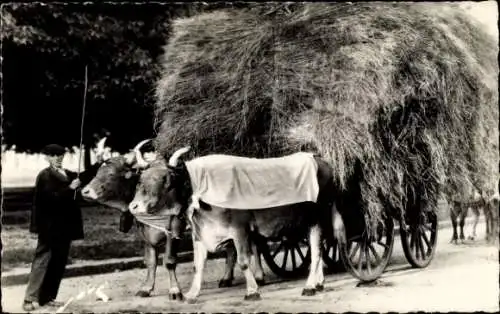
(75, 184)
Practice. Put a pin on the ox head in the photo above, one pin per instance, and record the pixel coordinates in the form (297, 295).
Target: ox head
(163, 187)
(116, 179)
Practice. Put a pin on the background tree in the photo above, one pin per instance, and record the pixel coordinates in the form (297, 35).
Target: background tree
(45, 49)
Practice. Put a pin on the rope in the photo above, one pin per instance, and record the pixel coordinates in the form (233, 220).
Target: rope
(81, 128)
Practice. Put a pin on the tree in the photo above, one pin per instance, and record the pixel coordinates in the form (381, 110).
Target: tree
(45, 55)
(46, 48)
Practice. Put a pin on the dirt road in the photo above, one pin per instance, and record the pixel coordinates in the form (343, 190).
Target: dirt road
(461, 278)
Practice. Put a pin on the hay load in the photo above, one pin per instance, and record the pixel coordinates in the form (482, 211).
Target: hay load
(401, 99)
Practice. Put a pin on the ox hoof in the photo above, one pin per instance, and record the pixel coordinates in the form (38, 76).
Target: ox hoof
(143, 294)
(261, 282)
(225, 283)
(191, 300)
(472, 238)
(252, 297)
(307, 292)
(319, 287)
(176, 296)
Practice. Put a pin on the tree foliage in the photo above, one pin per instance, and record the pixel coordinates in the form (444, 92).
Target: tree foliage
(45, 48)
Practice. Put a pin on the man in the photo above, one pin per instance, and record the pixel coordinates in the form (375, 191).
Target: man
(57, 219)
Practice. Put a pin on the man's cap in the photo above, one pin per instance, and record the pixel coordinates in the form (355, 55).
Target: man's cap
(53, 150)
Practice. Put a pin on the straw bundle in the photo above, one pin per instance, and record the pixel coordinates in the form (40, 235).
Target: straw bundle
(399, 98)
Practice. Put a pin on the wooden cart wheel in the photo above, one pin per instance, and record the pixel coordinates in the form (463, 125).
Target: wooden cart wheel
(287, 258)
(331, 255)
(366, 259)
(419, 241)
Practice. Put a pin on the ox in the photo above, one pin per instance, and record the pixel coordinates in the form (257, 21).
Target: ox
(168, 186)
(488, 202)
(114, 186)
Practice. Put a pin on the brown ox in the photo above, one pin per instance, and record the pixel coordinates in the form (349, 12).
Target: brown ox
(114, 186)
(168, 186)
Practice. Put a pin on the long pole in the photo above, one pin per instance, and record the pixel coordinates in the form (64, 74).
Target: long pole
(81, 126)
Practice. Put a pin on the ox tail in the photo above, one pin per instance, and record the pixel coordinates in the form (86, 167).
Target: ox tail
(339, 232)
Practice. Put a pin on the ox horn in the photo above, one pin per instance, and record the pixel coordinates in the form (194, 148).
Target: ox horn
(138, 155)
(173, 161)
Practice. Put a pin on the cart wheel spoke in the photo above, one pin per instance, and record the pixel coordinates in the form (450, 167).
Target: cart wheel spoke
(293, 258)
(426, 239)
(285, 257)
(360, 265)
(375, 254)
(278, 249)
(415, 245)
(299, 251)
(412, 240)
(427, 227)
(368, 263)
(330, 255)
(382, 244)
(335, 249)
(354, 251)
(422, 251)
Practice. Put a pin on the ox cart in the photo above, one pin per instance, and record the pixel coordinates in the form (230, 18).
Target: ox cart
(364, 257)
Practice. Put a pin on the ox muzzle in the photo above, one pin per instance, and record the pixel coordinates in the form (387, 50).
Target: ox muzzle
(89, 193)
(138, 207)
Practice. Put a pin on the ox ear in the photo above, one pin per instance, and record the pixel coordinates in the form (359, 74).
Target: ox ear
(174, 160)
(130, 158)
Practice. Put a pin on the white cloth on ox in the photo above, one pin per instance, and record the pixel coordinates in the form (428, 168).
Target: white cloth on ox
(252, 183)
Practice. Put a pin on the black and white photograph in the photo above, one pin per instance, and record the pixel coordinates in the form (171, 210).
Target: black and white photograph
(249, 157)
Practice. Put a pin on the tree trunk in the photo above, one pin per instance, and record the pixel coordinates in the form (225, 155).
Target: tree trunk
(86, 157)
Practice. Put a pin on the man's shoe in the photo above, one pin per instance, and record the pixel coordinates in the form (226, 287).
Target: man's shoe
(29, 306)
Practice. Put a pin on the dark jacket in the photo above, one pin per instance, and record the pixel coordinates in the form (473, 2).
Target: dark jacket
(55, 214)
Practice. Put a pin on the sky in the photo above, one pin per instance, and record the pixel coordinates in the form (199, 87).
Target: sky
(485, 12)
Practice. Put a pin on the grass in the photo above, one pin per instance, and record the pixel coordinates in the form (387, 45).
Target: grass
(102, 240)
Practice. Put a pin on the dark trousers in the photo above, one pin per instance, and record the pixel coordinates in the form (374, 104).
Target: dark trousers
(47, 270)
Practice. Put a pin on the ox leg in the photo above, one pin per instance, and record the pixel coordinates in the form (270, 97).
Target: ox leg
(227, 278)
(476, 213)
(259, 271)
(200, 257)
(453, 218)
(315, 268)
(195, 253)
(463, 215)
(493, 210)
(241, 244)
(151, 261)
(339, 232)
(170, 260)
(489, 223)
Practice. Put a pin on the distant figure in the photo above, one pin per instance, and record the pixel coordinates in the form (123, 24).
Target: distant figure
(56, 218)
